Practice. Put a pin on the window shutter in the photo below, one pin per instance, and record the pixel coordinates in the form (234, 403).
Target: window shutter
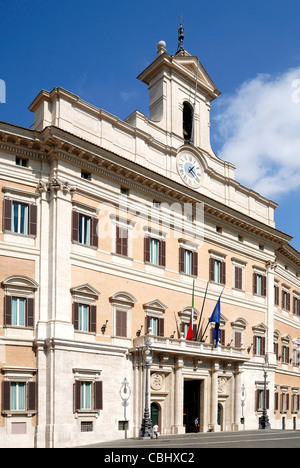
(263, 346)
(276, 295)
(31, 397)
(264, 286)
(211, 269)
(223, 273)
(147, 324)
(118, 241)
(276, 401)
(161, 327)
(237, 339)
(222, 337)
(254, 283)
(75, 226)
(76, 315)
(94, 232)
(195, 264)
(181, 260)
(254, 344)
(7, 213)
(287, 402)
(77, 395)
(276, 350)
(287, 355)
(98, 395)
(268, 399)
(162, 253)
(7, 310)
(212, 330)
(5, 396)
(238, 278)
(257, 400)
(147, 249)
(288, 301)
(30, 313)
(121, 323)
(195, 327)
(32, 220)
(93, 318)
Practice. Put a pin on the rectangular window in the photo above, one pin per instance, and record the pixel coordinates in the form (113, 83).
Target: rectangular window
(122, 241)
(18, 317)
(88, 395)
(286, 300)
(238, 277)
(259, 284)
(83, 318)
(154, 325)
(21, 162)
(85, 395)
(121, 323)
(188, 257)
(260, 400)
(154, 251)
(259, 345)
(217, 271)
(84, 230)
(17, 396)
(19, 218)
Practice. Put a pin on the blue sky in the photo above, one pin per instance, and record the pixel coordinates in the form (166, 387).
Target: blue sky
(96, 49)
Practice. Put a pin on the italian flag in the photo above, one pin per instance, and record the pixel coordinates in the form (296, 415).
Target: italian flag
(189, 335)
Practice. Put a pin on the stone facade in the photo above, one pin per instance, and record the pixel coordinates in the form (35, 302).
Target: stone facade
(106, 225)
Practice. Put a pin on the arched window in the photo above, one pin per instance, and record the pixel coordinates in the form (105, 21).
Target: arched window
(187, 121)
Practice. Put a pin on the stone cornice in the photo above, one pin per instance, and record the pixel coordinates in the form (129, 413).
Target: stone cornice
(54, 143)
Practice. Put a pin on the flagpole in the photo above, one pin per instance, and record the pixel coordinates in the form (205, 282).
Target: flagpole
(202, 311)
(208, 319)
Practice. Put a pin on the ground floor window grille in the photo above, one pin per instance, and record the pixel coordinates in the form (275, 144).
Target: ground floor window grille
(86, 426)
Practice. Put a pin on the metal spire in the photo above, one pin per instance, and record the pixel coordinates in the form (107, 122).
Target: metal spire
(180, 35)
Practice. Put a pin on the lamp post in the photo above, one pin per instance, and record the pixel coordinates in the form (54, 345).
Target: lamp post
(125, 393)
(264, 422)
(243, 401)
(146, 427)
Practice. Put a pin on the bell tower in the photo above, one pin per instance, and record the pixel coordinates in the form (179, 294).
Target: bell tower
(180, 95)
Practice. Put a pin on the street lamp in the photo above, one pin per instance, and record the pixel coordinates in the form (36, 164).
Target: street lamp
(264, 422)
(125, 393)
(243, 401)
(146, 427)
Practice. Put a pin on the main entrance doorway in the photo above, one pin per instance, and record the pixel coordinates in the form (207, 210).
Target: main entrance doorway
(191, 404)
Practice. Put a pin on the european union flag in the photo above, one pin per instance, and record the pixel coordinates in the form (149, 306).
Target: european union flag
(215, 317)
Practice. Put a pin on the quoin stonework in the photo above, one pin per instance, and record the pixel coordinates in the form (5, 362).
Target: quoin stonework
(105, 226)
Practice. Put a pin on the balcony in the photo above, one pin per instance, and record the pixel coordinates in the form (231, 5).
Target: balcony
(192, 349)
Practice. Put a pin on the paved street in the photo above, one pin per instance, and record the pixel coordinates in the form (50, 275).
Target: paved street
(190, 442)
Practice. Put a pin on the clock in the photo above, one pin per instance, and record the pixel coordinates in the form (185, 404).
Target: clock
(189, 169)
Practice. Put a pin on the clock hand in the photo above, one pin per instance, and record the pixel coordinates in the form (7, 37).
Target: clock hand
(191, 171)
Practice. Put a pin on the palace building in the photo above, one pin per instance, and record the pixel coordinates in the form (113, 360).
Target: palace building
(106, 224)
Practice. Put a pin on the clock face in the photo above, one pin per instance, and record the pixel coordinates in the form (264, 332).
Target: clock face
(189, 169)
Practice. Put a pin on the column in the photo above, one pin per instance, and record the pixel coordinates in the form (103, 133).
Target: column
(237, 398)
(178, 397)
(214, 396)
(270, 312)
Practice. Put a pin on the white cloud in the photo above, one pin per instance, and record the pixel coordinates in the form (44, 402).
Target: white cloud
(259, 127)
(126, 96)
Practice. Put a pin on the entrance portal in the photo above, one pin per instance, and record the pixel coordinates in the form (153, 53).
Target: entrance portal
(191, 404)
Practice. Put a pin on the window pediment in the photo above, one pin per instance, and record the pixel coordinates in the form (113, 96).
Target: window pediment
(18, 283)
(123, 298)
(155, 307)
(85, 292)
